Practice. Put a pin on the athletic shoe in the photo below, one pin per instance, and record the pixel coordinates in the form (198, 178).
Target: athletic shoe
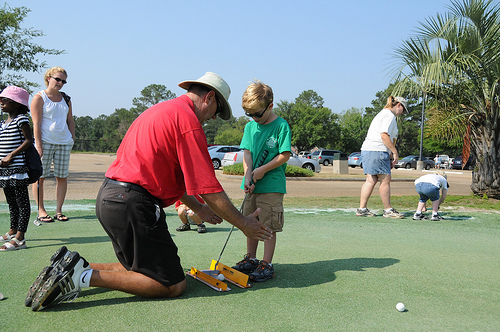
(263, 272)
(183, 227)
(365, 213)
(202, 228)
(44, 275)
(436, 217)
(419, 216)
(247, 265)
(393, 214)
(63, 284)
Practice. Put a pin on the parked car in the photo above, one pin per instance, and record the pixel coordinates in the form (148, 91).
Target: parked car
(354, 160)
(457, 163)
(232, 158)
(217, 153)
(324, 157)
(306, 163)
(304, 154)
(411, 162)
(444, 161)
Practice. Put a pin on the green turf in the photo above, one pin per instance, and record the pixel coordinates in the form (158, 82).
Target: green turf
(334, 272)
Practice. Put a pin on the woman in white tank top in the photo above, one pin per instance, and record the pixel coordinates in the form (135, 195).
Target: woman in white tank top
(54, 131)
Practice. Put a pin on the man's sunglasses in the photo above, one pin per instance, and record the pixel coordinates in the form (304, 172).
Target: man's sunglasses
(219, 106)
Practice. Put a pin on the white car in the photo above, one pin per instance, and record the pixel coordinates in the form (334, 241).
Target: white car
(217, 153)
(232, 158)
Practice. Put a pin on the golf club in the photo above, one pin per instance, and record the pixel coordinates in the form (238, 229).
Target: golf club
(260, 163)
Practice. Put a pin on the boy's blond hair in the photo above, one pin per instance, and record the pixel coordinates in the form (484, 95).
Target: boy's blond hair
(257, 96)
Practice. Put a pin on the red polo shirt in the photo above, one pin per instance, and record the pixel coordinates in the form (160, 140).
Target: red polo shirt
(165, 151)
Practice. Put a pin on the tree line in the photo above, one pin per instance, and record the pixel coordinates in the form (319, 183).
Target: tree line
(312, 125)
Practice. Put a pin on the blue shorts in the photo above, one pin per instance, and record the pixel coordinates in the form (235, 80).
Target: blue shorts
(427, 191)
(376, 162)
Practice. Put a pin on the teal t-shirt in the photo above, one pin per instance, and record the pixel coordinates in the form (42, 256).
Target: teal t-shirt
(275, 137)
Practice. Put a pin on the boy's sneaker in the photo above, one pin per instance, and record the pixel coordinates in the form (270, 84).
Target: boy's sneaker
(183, 227)
(419, 216)
(263, 272)
(45, 274)
(392, 213)
(202, 228)
(436, 217)
(365, 213)
(63, 283)
(247, 265)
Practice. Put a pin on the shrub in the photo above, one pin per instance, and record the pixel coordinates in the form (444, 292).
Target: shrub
(291, 171)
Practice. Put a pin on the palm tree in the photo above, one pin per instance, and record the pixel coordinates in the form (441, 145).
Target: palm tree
(454, 60)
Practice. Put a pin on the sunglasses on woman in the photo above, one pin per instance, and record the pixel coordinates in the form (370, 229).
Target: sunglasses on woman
(59, 79)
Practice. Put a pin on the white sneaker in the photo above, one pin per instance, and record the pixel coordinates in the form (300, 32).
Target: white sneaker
(365, 213)
(436, 217)
(419, 216)
(63, 284)
(393, 214)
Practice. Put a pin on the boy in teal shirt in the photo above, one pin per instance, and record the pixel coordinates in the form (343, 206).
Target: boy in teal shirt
(265, 186)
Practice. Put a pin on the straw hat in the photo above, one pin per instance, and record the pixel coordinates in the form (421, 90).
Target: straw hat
(220, 87)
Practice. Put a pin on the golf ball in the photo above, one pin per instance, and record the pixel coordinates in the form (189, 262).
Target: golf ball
(221, 277)
(400, 306)
(1, 296)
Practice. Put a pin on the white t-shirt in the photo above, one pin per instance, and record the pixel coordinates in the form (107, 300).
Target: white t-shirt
(434, 179)
(383, 122)
(54, 121)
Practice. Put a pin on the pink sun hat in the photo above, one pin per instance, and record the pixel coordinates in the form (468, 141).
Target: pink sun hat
(17, 94)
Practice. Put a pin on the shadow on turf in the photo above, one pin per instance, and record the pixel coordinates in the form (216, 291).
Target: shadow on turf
(299, 275)
(287, 276)
(68, 241)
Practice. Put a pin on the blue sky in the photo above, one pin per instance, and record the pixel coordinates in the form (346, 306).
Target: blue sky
(343, 50)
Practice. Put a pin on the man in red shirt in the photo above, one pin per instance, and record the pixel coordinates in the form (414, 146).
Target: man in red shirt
(162, 158)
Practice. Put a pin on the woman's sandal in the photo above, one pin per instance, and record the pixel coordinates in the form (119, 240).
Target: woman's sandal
(7, 237)
(61, 217)
(17, 245)
(45, 219)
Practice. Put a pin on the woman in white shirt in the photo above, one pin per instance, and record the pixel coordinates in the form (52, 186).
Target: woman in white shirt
(54, 131)
(379, 155)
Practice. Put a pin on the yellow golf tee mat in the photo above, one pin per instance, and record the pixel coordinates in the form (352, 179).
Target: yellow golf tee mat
(233, 276)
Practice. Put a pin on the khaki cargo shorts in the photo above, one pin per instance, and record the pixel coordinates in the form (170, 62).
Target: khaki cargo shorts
(271, 209)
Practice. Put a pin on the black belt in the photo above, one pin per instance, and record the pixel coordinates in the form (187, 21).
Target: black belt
(129, 186)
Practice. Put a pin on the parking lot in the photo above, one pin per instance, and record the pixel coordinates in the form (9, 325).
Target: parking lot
(87, 173)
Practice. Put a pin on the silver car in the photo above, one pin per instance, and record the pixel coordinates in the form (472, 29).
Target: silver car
(217, 153)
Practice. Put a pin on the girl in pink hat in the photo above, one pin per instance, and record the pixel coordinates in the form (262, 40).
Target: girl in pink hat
(15, 137)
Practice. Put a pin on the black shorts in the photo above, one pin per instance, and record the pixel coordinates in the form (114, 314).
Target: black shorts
(138, 230)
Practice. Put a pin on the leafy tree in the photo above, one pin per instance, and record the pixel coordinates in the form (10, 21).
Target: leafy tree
(230, 136)
(152, 95)
(311, 124)
(455, 60)
(353, 130)
(17, 51)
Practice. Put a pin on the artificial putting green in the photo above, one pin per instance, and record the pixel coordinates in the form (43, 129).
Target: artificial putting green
(334, 271)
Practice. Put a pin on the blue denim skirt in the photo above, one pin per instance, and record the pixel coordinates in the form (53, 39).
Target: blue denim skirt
(376, 162)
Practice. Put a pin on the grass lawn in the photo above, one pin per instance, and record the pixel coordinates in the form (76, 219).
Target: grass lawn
(334, 271)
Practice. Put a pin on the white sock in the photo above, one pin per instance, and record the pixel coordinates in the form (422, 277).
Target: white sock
(388, 210)
(85, 278)
(418, 212)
